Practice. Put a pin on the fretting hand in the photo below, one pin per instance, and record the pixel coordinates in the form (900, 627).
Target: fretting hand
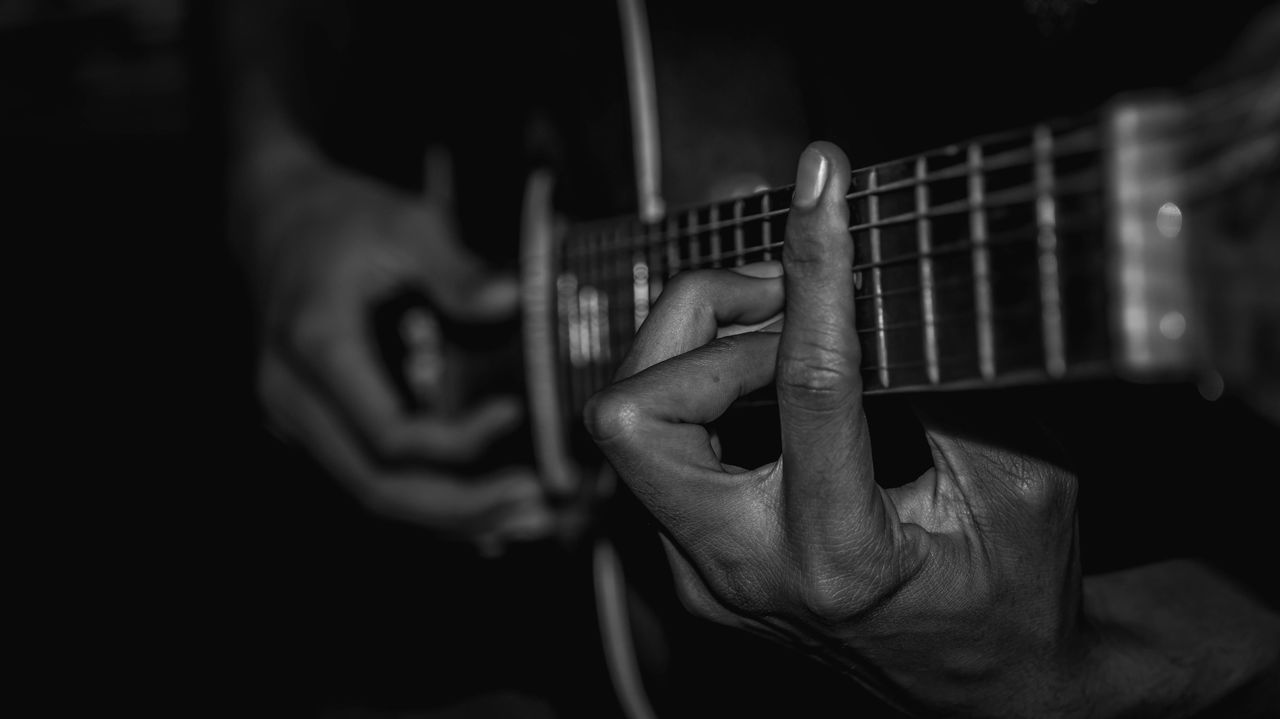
(958, 591)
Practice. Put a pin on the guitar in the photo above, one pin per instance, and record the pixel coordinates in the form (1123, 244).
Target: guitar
(1137, 242)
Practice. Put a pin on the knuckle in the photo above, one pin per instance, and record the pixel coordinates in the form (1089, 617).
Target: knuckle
(810, 247)
(740, 584)
(741, 591)
(827, 598)
(817, 371)
(688, 285)
(613, 415)
(383, 441)
(1046, 489)
(308, 335)
(696, 600)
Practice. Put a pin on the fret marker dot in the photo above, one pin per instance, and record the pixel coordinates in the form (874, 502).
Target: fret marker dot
(1173, 325)
(1169, 220)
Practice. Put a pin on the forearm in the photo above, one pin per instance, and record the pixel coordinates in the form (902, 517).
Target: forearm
(271, 109)
(1177, 640)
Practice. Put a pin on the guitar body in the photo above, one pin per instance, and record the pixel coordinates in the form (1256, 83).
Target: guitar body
(1104, 318)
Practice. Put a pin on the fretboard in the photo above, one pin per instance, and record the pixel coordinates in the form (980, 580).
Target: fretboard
(975, 264)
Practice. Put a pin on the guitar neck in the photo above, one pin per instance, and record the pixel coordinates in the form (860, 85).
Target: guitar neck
(1001, 260)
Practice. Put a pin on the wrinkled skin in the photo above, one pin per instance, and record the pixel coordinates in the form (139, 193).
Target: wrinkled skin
(957, 592)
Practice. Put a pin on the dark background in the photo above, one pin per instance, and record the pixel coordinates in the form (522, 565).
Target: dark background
(195, 563)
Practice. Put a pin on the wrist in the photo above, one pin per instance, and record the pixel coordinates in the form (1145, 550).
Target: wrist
(273, 162)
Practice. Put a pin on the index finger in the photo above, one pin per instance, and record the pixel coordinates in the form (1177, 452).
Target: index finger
(829, 486)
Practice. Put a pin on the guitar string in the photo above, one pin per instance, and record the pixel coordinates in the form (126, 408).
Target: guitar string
(1088, 183)
(1079, 142)
(692, 230)
(600, 373)
(1080, 183)
(1021, 233)
(659, 240)
(1025, 307)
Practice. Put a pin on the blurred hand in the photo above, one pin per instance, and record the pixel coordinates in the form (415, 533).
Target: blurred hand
(957, 592)
(327, 246)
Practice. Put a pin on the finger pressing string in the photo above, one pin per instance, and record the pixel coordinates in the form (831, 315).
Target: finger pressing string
(826, 448)
(695, 304)
(651, 426)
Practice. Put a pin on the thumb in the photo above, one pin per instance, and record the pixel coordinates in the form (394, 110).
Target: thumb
(483, 297)
(1000, 452)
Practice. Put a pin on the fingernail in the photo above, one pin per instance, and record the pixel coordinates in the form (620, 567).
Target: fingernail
(760, 270)
(499, 294)
(811, 177)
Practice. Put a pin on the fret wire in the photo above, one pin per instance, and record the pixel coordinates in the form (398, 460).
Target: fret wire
(981, 261)
(1050, 298)
(882, 345)
(627, 310)
(600, 340)
(604, 310)
(673, 251)
(766, 228)
(1082, 182)
(566, 289)
(575, 329)
(641, 288)
(738, 250)
(586, 310)
(623, 289)
(584, 319)
(608, 310)
(608, 298)
(715, 236)
(695, 242)
(591, 296)
(657, 274)
(600, 306)
(579, 331)
(924, 241)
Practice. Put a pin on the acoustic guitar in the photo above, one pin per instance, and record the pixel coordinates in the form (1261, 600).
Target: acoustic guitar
(1139, 242)
(1136, 243)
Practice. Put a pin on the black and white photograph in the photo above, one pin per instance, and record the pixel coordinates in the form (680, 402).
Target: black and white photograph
(641, 359)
